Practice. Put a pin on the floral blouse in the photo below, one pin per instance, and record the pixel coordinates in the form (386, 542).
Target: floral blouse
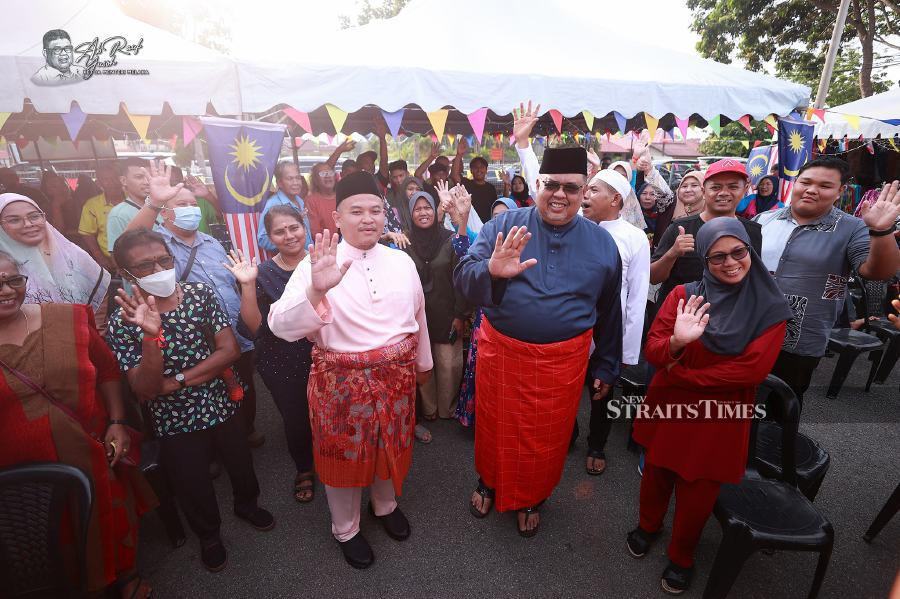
(185, 331)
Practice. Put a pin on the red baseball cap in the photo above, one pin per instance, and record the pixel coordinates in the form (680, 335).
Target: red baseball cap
(725, 166)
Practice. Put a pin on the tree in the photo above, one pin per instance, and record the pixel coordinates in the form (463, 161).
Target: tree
(805, 67)
(367, 12)
(729, 140)
(759, 31)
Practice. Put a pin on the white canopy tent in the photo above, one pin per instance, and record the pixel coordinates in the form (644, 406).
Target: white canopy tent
(185, 75)
(878, 115)
(568, 62)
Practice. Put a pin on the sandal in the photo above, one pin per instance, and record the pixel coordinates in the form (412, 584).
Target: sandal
(423, 435)
(529, 511)
(305, 482)
(430, 417)
(487, 494)
(121, 584)
(594, 454)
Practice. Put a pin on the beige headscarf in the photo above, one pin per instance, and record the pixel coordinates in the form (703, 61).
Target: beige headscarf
(679, 207)
(631, 208)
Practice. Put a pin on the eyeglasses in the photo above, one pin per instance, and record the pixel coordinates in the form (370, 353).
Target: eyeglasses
(61, 50)
(33, 218)
(142, 269)
(14, 282)
(736, 254)
(570, 189)
(324, 174)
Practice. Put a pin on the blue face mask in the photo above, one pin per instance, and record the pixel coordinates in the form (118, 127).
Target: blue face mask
(187, 217)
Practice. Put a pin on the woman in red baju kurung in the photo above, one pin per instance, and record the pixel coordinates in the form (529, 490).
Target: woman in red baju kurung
(710, 357)
(57, 348)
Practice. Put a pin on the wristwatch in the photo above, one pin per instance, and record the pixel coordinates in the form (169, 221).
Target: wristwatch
(151, 205)
(180, 379)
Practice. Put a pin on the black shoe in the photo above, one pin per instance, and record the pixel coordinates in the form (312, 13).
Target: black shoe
(639, 542)
(213, 556)
(395, 523)
(357, 552)
(675, 579)
(259, 519)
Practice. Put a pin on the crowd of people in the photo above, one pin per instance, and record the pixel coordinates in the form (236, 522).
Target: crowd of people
(357, 325)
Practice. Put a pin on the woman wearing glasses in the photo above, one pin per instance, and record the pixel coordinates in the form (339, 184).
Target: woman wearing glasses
(59, 396)
(58, 271)
(712, 343)
(321, 202)
(174, 341)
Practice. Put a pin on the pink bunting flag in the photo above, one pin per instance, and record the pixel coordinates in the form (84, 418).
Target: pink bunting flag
(393, 120)
(74, 120)
(190, 127)
(476, 119)
(557, 118)
(682, 126)
(745, 121)
(301, 118)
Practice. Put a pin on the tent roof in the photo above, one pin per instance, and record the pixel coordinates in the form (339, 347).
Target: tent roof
(558, 63)
(880, 115)
(185, 75)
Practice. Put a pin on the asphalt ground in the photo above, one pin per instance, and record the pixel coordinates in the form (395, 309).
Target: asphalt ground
(580, 549)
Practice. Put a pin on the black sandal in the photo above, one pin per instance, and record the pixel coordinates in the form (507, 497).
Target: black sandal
(299, 487)
(121, 583)
(486, 494)
(528, 512)
(597, 455)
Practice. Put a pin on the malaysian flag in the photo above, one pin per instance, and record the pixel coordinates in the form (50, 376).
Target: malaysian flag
(242, 157)
(795, 143)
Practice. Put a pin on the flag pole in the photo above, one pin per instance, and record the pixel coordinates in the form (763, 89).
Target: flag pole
(825, 81)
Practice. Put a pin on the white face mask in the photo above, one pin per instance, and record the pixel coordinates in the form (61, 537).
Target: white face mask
(159, 284)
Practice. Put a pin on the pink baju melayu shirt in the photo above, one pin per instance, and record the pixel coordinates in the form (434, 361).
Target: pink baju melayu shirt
(379, 302)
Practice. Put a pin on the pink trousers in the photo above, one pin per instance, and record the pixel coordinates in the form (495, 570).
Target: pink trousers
(344, 504)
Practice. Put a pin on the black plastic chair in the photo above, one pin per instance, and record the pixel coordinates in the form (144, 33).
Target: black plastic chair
(848, 345)
(33, 500)
(761, 513)
(810, 460)
(883, 360)
(889, 510)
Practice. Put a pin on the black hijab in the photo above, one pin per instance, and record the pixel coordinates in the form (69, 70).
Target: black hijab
(765, 203)
(426, 243)
(521, 197)
(739, 313)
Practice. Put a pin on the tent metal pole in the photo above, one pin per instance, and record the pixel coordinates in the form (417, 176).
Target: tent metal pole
(825, 81)
(94, 152)
(294, 150)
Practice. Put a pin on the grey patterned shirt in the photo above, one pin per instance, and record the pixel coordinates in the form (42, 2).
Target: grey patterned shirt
(814, 262)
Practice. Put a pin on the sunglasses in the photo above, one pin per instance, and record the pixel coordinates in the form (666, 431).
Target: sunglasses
(142, 269)
(324, 174)
(570, 189)
(14, 282)
(736, 254)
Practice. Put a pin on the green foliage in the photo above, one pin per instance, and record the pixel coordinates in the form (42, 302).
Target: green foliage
(759, 31)
(728, 141)
(368, 12)
(806, 67)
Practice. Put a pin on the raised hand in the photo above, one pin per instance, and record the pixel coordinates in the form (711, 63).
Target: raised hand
(644, 164)
(691, 321)
(524, 121)
(161, 188)
(593, 158)
(462, 201)
(445, 198)
(504, 262)
(139, 311)
(435, 150)
(684, 243)
(399, 239)
(347, 145)
(462, 147)
(244, 269)
(380, 127)
(325, 272)
(197, 187)
(883, 212)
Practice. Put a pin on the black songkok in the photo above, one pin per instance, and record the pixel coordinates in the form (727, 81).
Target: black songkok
(358, 183)
(564, 161)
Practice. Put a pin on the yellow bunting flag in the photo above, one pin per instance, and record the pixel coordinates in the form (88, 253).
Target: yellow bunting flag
(438, 120)
(652, 125)
(337, 116)
(771, 120)
(853, 120)
(890, 139)
(140, 122)
(588, 119)
(746, 144)
(3, 117)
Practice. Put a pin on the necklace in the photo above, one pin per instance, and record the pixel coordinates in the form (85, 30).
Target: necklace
(25, 314)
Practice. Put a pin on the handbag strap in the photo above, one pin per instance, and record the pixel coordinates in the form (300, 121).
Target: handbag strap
(46, 394)
(190, 264)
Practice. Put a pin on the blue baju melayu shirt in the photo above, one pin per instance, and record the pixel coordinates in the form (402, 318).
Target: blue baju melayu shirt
(574, 286)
